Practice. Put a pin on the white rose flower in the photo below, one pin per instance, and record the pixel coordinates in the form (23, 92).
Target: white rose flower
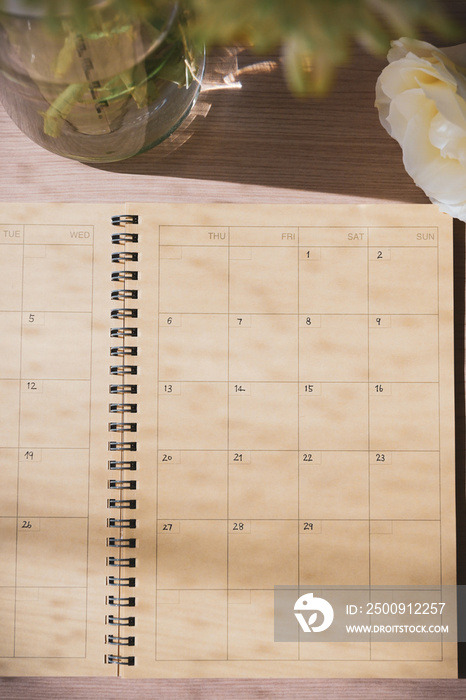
(421, 98)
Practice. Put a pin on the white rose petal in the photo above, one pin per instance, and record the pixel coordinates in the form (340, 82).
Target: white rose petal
(441, 178)
(448, 138)
(404, 109)
(421, 98)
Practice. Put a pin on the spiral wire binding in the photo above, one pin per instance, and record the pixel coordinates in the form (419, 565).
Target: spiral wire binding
(119, 463)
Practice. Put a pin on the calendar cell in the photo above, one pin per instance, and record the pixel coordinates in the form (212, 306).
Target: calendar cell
(263, 416)
(51, 551)
(44, 485)
(264, 557)
(337, 283)
(183, 426)
(191, 612)
(265, 487)
(251, 627)
(195, 486)
(42, 401)
(59, 622)
(338, 555)
(265, 348)
(334, 419)
(201, 275)
(416, 651)
(336, 487)
(266, 283)
(406, 418)
(193, 557)
(392, 355)
(394, 486)
(404, 283)
(194, 348)
(337, 650)
(56, 345)
(61, 280)
(406, 553)
(335, 350)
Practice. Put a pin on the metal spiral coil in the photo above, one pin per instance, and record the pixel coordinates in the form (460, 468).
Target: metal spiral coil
(120, 525)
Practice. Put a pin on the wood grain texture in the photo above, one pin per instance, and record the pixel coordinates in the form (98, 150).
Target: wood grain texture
(254, 144)
(88, 689)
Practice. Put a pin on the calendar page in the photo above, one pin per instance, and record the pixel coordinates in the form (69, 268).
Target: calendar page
(213, 416)
(54, 308)
(296, 429)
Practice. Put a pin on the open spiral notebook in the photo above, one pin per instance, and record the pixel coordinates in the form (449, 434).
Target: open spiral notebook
(205, 404)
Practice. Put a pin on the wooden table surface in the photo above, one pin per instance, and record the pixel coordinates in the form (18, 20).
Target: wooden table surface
(254, 143)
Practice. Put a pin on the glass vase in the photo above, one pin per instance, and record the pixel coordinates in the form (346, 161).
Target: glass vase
(100, 85)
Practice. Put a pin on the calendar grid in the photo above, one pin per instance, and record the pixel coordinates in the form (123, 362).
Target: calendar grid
(46, 313)
(177, 249)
